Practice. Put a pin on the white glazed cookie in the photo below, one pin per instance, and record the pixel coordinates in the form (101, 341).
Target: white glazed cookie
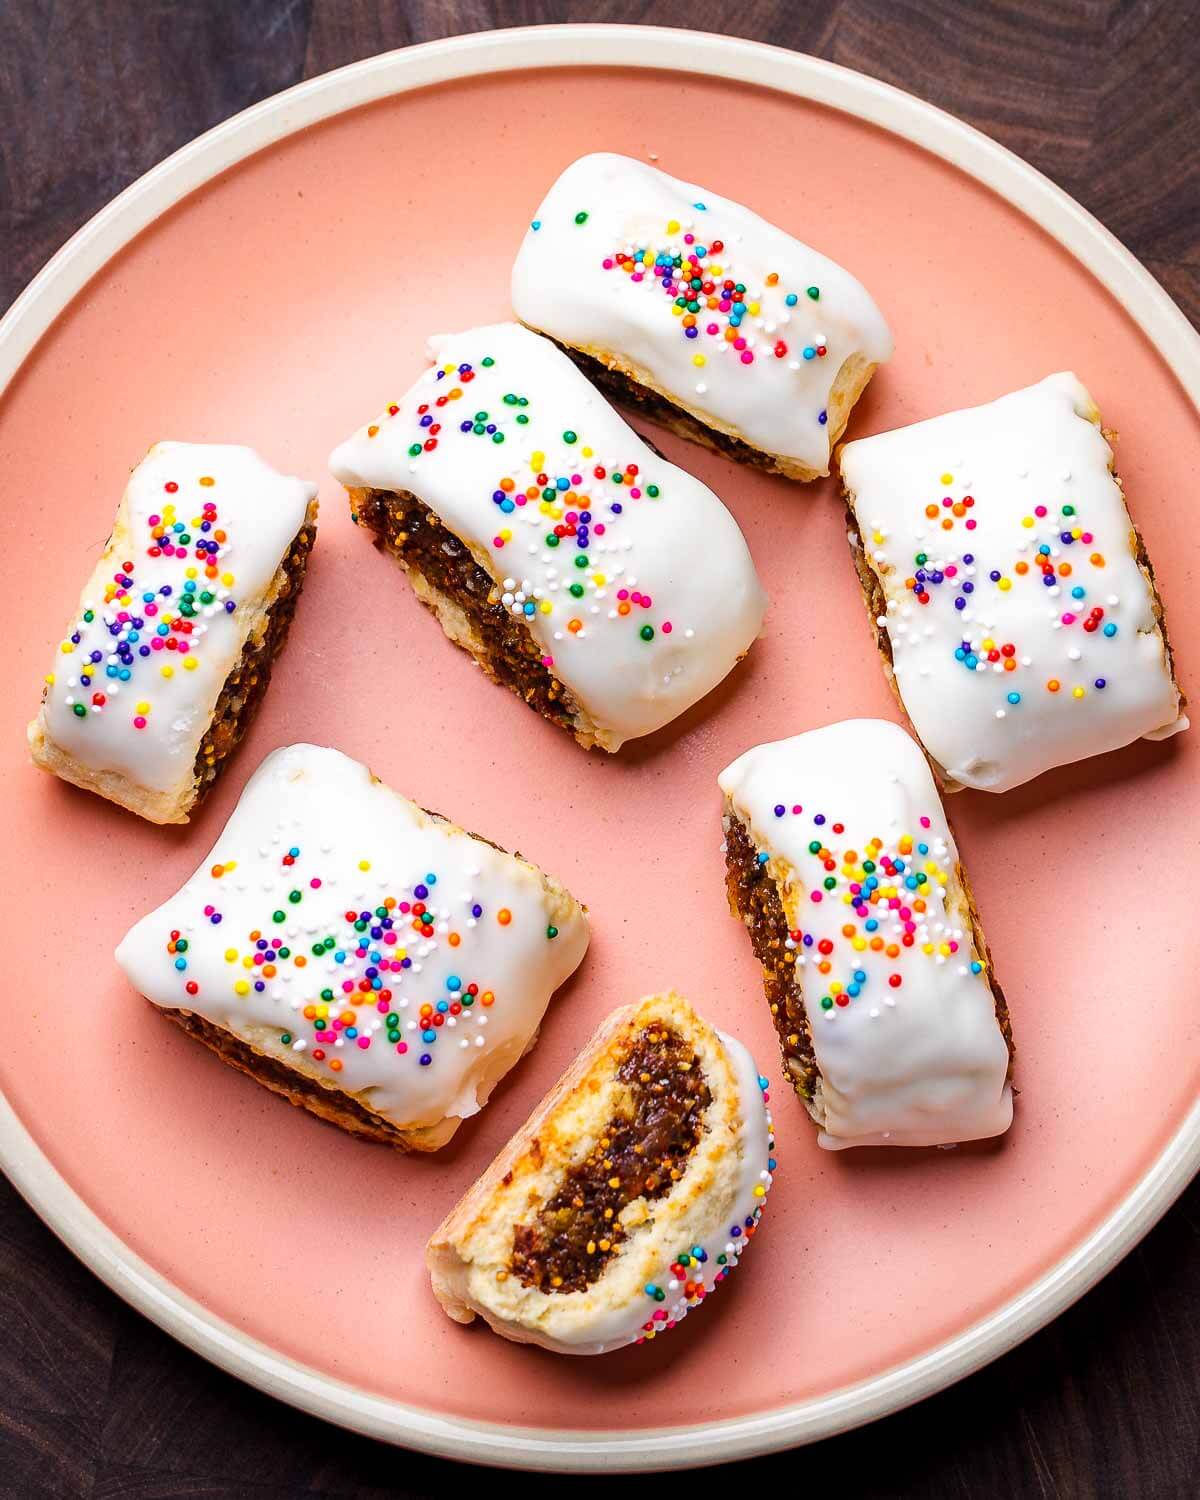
(697, 300)
(1012, 598)
(626, 1198)
(369, 960)
(605, 586)
(843, 867)
(177, 627)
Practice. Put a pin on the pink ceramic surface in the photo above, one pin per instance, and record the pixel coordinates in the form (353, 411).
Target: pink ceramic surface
(282, 305)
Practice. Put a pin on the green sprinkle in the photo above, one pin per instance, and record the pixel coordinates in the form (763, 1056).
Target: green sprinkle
(551, 540)
(414, 449)
(79, 711)
(581, 217)
(576, 589)
(286, 1038)
(653, 491)
(279, 916)
(581, 560)
(294, 896)
(826, 1003)
(814, 292)
(551, 932)
(815, 847)
(487, 361)
(647, 632)
(570, 437)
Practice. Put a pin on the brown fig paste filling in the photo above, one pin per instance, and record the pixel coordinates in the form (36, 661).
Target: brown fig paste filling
(754, 898)
(641, 1153)
(416, 536)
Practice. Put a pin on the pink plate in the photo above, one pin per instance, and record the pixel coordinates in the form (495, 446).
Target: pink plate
(281, 303)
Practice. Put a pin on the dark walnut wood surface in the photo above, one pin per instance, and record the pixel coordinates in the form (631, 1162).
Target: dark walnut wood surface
(1103, 96)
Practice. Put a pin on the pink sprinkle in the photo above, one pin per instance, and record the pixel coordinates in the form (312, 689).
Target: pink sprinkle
(183, 648)
(951, 571)
(401, 1047)
(739, 343)
(157, 643)
(1039, 510)
(139, 722)
(724, 304)
(576, 478)
(1068, 619)
(747, 358)
(637, 276)
(646, 601)
(666, 628)
(347, 986)
(690, 239)
(208, 910)
(924, 822)
(547, 661)
(497, 541)
(607, 263)
(154, 521)
(815, 896)
(364, 1042)
(636, 494)
(970, 525)
(598, 528)
(1086, 537)
(315, 883)
(712, 328)
(797, 809)
(947, 502)
(520, 499)
(622, 593)
(405, 906)
(152, 609)
(390, 937)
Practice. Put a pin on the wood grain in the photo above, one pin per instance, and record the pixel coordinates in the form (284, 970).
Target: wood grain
(1104, 97)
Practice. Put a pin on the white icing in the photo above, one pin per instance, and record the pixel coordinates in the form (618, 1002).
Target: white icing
(560, 285)
(682, 550)
(606, 1327)
(364, 844)
(261, 511)
(1039, 447)
(921, 1064)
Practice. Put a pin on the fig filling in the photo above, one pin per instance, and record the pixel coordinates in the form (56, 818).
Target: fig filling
(754, 898)
(247, 683)
(642, 1152)
(504, 647)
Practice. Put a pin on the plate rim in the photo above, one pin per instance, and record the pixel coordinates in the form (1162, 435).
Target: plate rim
(565, 46)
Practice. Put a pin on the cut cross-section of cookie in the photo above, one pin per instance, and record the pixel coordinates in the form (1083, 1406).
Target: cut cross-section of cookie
(176, 631)
(1013, 601)
(699, 313)
(841, 864)
(628, 1195)
(604, 586)
(366, 959)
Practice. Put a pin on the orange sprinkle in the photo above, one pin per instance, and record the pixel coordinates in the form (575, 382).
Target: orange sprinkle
(300, 960)
(486, 998)
(454, 940)
(504, 916)
(372, 430)
(335, 1064)
(207, 481)
(1053, 685)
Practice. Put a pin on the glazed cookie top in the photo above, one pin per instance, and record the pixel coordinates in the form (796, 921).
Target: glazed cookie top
(631, 575)
(1022, 625)
(338, 928)
(849, 824)
(197, 539)
(736, 319)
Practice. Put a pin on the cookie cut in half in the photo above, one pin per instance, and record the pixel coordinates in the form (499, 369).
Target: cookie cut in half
(366, 959)
(628, 1195)
(841, 864)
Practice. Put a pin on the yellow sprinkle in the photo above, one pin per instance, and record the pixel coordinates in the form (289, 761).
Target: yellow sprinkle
(673, 226)
(227, 580)
(587, 452)
(760, 1191)
(537, 459)
(190, 573)
(1004, 585)
(190, 663)
(364, 864)
(506, 535)
(699, 359)
(599, 579)
(49, 679)
(168, 670)
(1077, 692)
(230, 955)
(248, 961)
(143, 707)
(242, 987)
(1027, 521)
(947, 479)
(545, 607)
(67, 647)
(754, 309)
